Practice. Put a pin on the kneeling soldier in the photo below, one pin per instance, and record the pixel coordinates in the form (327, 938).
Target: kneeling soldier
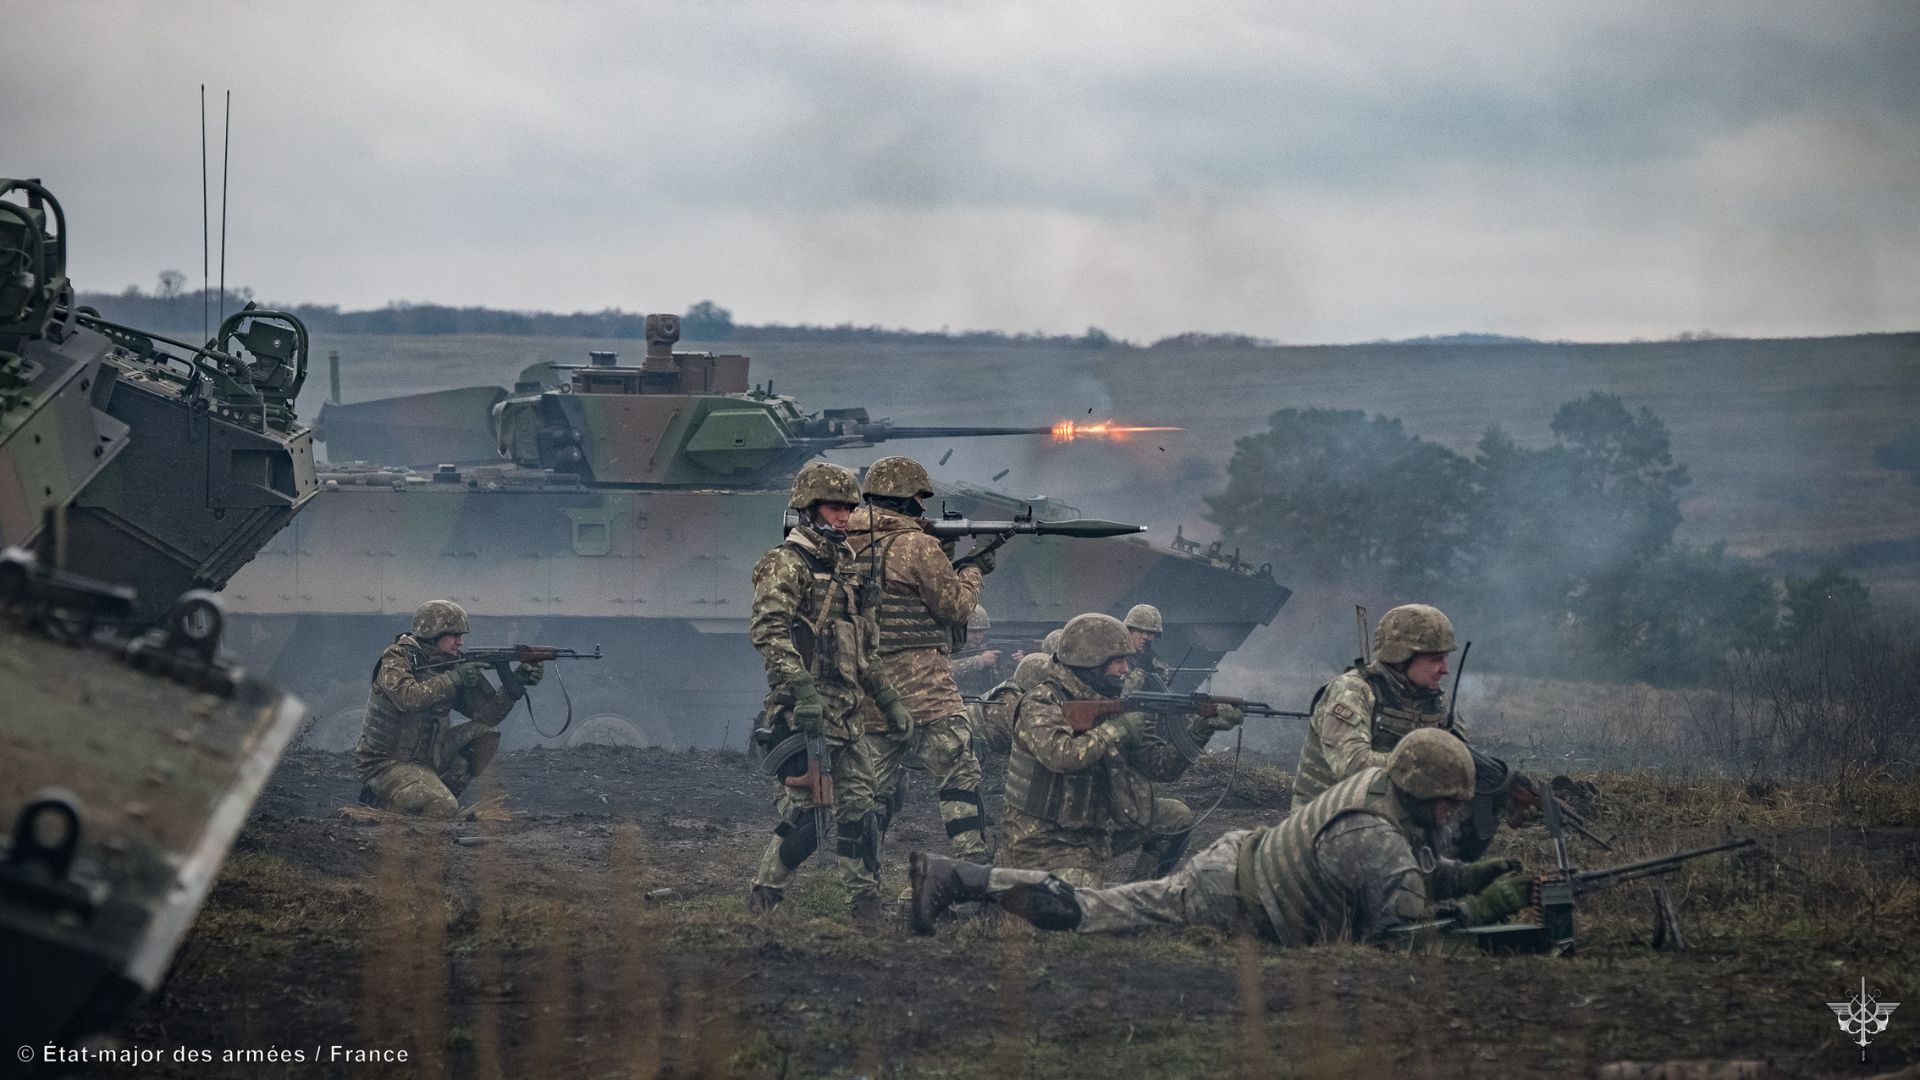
(409, 758)
(1077, 798)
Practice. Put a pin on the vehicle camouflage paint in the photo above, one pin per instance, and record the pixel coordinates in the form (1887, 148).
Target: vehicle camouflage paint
(130, 752)
(625, 507)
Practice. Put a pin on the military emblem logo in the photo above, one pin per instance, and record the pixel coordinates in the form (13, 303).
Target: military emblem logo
(1861, 1015)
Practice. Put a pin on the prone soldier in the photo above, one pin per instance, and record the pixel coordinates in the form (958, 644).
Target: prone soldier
(409, 757)
(1076, 799)
(816, 641)
(1356, 864)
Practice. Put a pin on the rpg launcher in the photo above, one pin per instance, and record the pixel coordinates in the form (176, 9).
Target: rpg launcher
(502, 661)
(951, 526)
(1556, 891)
(1169, 711)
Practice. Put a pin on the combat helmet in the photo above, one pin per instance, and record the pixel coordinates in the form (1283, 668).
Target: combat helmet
(1146, 619)
(1410, 629)
(1432, 764)
(823, 481)
(1051, 643)
(1092, 640)
(438, 617)
(898, 477)
(977, 622)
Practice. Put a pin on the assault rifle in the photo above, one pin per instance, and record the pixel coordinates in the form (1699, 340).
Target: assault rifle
(1170, 711)
(503, 659)
(800, 761)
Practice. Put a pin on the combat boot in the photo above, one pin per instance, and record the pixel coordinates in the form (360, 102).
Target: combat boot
(868, 909)
(939, 883)
(763, 899)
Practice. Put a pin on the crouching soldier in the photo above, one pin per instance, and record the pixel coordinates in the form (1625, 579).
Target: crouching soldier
(409, 758)
(1355, 864)
(1077, 798)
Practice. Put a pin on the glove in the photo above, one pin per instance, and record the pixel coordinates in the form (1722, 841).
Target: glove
(899, 717)
(530, 674)
(1128, 726)
(983, 560)
(1499, 900)
(469, 675)
(809, 708)
(1224, 718)
(1477, 876)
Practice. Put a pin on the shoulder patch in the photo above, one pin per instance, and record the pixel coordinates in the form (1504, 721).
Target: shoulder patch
(1343, 711)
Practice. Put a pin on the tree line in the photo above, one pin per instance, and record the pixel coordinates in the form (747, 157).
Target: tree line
(1562, 556)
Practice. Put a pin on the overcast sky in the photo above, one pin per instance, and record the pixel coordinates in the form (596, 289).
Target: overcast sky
(1324, 172)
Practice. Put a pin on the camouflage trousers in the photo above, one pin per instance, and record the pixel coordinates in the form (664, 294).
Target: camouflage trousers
(795, 839)
(411, 787)
(1079, 857)
(945, 748)
(1203, 892)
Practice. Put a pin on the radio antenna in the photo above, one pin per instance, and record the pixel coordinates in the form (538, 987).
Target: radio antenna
(206, 283)
(226, 142)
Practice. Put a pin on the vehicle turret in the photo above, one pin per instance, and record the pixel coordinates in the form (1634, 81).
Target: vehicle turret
(678, 419)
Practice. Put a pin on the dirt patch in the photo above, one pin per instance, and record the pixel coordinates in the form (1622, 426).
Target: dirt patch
(539, 945)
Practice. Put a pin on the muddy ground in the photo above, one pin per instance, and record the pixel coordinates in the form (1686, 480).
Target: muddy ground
(537, 941)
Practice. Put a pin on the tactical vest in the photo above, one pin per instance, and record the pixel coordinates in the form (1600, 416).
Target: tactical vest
(391, 735)
(1302, 904)
(1395, 715)
(902, 618)
(827, 604)
(1079, 800)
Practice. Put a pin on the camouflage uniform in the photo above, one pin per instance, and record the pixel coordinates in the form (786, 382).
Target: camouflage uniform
(1360, 716)
(977, 674)
(1075, 800)
(921, 597)
(409, 757)
(993, 718)
(1352, 865)
(808, 625)
(1150, 673)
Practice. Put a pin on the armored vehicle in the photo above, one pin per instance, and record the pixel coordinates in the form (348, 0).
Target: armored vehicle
(138, 469)
(625, 506)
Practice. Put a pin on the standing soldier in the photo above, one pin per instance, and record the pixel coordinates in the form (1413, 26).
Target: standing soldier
(409, 758)
(1150, 673)
(1075, 799)
(1360, 716)
(1355, 864)
(817, 644)
(920, 598)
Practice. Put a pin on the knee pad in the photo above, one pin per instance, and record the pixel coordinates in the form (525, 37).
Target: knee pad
(798, 839)
(974, 822)
(1049, 905)
(861, 839)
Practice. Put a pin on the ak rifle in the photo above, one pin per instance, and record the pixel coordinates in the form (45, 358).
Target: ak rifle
(1170, 712)
(502, 661)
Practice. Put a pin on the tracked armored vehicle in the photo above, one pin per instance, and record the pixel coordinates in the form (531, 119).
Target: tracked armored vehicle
(135, 475)
(625, 506)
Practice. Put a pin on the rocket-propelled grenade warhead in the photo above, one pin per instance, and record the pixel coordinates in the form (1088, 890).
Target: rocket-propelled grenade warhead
(1079, 528)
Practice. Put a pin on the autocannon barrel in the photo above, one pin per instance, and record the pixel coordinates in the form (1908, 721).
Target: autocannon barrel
(1079, 528)
(879, 432)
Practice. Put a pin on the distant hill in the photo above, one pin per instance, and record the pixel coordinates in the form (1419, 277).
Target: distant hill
(1464, 339)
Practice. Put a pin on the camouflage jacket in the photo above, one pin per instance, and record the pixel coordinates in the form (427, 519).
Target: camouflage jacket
(1095, 779)
(918, 602)
(807, 619)
(1349, 866)
(407, 713)
(1359, 718)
